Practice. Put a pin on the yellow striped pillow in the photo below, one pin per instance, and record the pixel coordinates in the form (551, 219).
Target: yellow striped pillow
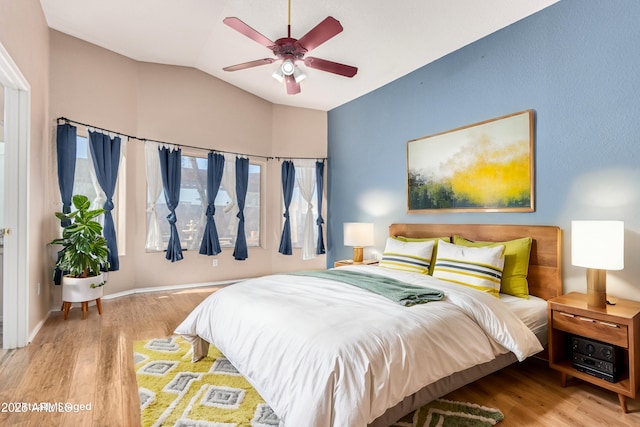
(426, 239)
(407, 256)
(479, 268)
(516, 263)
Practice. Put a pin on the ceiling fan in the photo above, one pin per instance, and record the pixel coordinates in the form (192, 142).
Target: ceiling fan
(290, 50)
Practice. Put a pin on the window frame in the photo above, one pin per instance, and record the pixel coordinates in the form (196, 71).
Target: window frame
(199, 154)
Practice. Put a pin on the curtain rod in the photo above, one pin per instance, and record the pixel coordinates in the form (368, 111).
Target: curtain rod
(164, 142)
(96, 127)
(299, 158)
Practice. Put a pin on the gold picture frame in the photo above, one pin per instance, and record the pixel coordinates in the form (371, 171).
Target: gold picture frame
(483, 167)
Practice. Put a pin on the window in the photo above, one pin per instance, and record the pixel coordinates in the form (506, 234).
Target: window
(83, 183)
(299, 206)
(192, 209)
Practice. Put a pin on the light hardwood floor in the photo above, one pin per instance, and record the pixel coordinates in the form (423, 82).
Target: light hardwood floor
(91, 362)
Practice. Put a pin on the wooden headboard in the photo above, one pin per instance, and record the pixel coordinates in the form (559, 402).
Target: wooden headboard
(545, 262)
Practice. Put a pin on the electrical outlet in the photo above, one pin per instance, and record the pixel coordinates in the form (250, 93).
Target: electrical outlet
(214, 262)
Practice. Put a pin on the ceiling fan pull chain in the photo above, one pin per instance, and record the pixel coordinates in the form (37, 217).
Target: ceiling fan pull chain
(289, 21)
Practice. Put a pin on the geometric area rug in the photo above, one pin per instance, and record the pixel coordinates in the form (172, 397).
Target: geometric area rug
(174, 391)
(450, 413)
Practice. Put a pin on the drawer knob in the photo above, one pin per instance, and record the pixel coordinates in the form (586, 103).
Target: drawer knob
(586, 319)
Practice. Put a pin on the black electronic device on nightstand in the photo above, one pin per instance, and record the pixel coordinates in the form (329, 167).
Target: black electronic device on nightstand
(596, 358)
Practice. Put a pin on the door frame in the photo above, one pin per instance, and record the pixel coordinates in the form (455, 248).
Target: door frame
(17, 100)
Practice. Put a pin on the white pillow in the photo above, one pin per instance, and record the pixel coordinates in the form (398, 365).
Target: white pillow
(479, 268)
(407, 256)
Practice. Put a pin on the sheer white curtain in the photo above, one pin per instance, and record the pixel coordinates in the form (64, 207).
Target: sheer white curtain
(229, 184)
(154, 188)
(101, 197)
(306, 178)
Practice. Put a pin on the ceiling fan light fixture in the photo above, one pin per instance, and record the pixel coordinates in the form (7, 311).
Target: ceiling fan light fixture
(288, 67)
(299, 75)
(278, 75)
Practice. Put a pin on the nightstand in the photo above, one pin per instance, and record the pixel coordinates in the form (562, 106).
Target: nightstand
(617, 325)
(344, 262)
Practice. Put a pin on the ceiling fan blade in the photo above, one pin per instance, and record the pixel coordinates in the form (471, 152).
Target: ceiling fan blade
(320, 33)
(330, 66)
(243, 28)
(249, 64)
(293, 87)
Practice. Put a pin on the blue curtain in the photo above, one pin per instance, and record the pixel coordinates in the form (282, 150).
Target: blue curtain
(319, 189)
(242, 182)
(215, 167)
(105, 153)
(66, 151)
(288, 176)
(170, 169)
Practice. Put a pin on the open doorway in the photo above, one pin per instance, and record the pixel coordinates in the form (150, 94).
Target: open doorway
(15, 274)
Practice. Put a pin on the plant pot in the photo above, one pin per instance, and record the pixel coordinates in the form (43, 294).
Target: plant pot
(76, 289)
(82, 290)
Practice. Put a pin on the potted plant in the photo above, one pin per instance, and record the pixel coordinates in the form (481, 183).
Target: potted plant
(84, 253)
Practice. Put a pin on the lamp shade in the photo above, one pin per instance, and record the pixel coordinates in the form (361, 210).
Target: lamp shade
(358, 234)
(598, 244)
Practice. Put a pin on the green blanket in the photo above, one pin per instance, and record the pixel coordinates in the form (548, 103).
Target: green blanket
(395, 290)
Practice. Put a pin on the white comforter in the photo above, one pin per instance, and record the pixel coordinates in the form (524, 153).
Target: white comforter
(323, 353)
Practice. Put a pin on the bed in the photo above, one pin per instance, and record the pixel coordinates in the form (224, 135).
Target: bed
(322, 353)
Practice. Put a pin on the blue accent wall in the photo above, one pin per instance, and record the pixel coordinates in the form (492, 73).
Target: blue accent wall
(576, 63)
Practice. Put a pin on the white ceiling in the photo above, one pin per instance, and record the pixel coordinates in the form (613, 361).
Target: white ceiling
(384, 39)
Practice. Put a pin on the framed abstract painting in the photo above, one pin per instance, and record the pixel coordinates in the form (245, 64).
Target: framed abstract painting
(483, 167)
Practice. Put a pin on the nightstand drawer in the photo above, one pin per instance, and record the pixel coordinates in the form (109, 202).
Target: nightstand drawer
(609, 332)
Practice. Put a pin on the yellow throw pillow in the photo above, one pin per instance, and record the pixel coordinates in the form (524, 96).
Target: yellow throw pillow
(516, 263)
(426, 239)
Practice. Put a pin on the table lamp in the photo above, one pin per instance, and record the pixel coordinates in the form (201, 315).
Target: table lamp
(598, 246)
(358, 235)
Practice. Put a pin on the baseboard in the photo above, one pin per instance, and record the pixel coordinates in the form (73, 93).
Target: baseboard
(170, 288)
(39, 326)
(33, 333)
